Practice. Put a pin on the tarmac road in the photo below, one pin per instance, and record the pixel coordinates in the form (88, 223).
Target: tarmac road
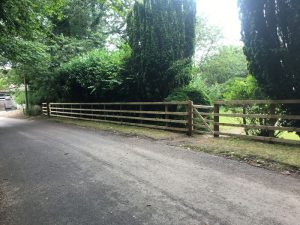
(56, 174)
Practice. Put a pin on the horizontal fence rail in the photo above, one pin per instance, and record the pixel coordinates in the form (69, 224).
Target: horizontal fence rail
(240, 113)
(174, 116)
(242, 120)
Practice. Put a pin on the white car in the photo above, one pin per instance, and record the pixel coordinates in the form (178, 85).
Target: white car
(8, 104)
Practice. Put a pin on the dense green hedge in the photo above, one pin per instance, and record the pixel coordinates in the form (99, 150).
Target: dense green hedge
(96, 75)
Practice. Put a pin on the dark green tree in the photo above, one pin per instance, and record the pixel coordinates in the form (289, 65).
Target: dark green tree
(271, 34)
(162, 37)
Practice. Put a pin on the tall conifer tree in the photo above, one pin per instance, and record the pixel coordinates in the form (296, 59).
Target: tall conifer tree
(271, 34)
(161, 35)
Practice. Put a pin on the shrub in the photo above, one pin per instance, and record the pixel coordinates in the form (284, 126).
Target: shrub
(19, 97)
(243, 88)
(34, 110)
(197, 95)
(93, 76)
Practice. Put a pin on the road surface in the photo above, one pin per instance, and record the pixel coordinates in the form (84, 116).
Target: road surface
(52, 173)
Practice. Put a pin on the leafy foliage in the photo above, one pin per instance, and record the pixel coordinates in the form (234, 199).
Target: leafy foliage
(39, 36)
(229, 62)
(3, 80)
(226, 63)
(194, 94)
(85, 25)
(22, 22)
(93, 76)
(243, 89)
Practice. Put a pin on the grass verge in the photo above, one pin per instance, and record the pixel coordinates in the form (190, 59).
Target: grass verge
(130, 130)
(278, 157)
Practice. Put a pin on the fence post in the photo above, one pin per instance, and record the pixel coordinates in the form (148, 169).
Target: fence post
(245, 120)
(105, 113)
(92, 107)
(141, 115)
(216, 119)
(272, 121)
(48, 109)
(120, 114)
(190, 117)
(166, 115)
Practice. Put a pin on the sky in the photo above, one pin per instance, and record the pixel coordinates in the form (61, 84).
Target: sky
(225, 14)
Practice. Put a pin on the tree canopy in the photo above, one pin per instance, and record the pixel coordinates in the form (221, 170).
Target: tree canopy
(228, 62)
(208, 39)
(22, 22)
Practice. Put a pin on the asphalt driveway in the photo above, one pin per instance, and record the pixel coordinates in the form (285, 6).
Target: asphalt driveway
(52, 173)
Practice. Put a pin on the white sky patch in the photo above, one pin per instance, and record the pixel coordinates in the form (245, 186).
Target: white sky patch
(224, 14)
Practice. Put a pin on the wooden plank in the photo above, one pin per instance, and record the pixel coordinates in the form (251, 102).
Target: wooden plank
(263, 116)
(259, 138)
(125, 103)
(166, 113)
(122, 117)
(104, 108)
(207, 126)
(125, 111)
(271, 122)
(253, 102)
(205, 114)
(291, 129)
(126, 123)
(208, 121)
(244, 119)
(140, 110)
(203, 107)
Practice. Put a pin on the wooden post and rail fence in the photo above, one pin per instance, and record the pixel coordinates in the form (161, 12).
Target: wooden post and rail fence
(174, 116)
(186, 117)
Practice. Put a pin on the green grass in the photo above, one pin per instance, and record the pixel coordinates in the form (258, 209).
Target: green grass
(131, 130)
(230, 120)
(233, 120)
(290, 136)
(277, 156)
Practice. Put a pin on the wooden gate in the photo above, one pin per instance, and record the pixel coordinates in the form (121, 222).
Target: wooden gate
(260, 115)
